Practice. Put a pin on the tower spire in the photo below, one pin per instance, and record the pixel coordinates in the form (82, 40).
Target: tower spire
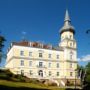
(67, 18)
(67, 24)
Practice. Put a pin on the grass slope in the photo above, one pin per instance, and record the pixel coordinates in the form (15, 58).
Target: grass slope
(10, 85)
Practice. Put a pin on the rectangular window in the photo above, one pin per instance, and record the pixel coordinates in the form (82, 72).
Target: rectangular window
(31, 72)
(50, 73)
(40, 64)
(22, 72)
(71, 74)
(49, 56)
(57, 65)
(57, 73)
(22, 53)
(57, 56)
(49, 65)
(70, 65)
(40, 55)
(22, 62)
(30, 53)
(30, 63)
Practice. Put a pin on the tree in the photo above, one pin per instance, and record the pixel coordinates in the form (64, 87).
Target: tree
(2, 40)
(88, 73)
(81, 73)
(87, 77)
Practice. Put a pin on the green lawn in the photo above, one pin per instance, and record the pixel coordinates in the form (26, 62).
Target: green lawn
(9, 85)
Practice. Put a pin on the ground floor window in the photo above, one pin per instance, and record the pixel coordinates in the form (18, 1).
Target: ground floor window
(31, 73)
(71, 74)
(22, 72)
(50, 73)
(40, 73)
(57, 73)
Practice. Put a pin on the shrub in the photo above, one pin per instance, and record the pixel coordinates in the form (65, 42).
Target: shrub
(8, 75)
(3, 76)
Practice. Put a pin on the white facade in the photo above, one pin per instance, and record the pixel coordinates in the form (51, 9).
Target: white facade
(36, 60)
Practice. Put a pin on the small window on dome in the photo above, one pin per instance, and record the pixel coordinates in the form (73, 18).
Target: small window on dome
(70, 36)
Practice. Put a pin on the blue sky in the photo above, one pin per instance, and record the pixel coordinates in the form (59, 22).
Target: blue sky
(42, 19)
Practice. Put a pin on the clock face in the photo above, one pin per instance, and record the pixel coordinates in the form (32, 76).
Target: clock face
(71, 52)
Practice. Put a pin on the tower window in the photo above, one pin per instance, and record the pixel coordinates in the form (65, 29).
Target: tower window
(70, 44)
(71, 52)
(70, 36)
(71, 57)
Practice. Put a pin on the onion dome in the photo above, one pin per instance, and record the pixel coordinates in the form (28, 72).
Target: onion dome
(67, 24)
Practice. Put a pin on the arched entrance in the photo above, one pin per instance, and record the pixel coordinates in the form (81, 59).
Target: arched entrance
(40, 73)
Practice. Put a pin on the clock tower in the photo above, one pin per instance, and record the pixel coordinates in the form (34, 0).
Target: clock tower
(68, 43)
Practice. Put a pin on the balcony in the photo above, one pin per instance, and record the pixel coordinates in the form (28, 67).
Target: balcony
(43, 66)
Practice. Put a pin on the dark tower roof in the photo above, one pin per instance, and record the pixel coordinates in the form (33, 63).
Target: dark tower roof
(67, 24)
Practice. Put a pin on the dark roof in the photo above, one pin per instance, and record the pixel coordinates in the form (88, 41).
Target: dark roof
(36, 45)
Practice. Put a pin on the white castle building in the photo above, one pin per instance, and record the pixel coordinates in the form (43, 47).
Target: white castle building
(37, 60)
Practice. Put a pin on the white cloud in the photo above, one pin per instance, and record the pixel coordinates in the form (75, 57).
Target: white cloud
(23, 32)
(84, 58)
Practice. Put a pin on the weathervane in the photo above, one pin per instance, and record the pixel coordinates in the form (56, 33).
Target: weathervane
(88, 31)
(67, 4)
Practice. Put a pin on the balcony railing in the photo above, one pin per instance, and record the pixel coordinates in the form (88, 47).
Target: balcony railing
(43, 66)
